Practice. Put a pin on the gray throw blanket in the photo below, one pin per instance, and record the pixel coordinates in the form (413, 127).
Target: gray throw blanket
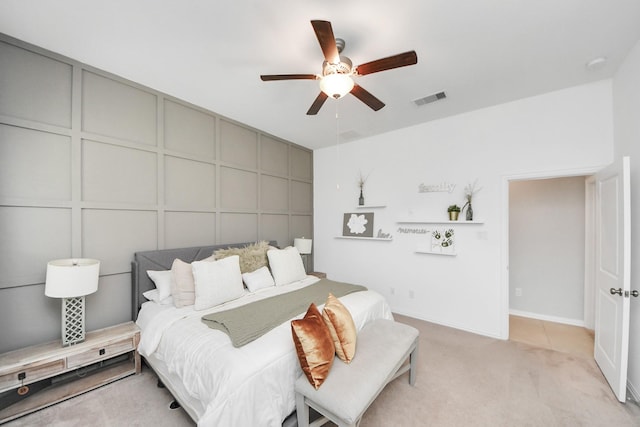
(249, 322)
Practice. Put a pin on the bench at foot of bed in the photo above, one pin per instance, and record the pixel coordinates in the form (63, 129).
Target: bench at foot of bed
(382, 349)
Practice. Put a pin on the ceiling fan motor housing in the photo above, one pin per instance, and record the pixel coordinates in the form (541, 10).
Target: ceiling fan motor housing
(343, 67)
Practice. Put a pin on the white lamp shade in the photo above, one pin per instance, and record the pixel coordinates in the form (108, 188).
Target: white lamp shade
(68, 278)
(303, 245)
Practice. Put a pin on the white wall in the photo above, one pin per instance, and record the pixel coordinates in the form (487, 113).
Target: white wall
(626, 108)
(546, 248)
(560, 131)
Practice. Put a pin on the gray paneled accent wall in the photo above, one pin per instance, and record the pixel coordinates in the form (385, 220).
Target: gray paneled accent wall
(93, 165)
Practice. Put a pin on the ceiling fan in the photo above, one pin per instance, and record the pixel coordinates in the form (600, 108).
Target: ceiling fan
(338, 71)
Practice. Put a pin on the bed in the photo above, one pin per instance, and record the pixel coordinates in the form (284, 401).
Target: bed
(216, 383)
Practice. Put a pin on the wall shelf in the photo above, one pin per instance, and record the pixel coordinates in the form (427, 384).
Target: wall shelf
(426, 251)
(430, 221)
(386, 239)
(370, 206)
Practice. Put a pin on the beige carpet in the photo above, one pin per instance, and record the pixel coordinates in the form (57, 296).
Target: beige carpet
(463, 380)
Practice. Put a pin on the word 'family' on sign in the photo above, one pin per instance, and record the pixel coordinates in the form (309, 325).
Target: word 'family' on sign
(434, 188)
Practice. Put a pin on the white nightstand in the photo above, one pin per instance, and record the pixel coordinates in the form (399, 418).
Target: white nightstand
(106, 355)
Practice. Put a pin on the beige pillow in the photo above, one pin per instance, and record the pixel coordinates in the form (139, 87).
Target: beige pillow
(341, 327)
(314, 346)
(252, 257)
(182, 282)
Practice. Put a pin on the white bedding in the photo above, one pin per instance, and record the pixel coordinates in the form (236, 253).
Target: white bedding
(248, 386)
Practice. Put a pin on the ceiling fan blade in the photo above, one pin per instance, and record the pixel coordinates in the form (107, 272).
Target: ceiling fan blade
(395, 61)
(327, 41)
(270, 77)
(315, 107)
(366, 97)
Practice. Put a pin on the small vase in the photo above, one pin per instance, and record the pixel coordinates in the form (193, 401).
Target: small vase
(361, 199)
(469, 213)
(453, 216)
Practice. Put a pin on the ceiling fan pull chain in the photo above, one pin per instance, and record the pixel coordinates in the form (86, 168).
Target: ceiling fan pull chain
(337, 144)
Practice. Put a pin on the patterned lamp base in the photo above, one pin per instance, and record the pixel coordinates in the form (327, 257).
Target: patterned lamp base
(72, 320)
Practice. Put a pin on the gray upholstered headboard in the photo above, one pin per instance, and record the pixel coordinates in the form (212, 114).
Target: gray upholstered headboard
(161, 259)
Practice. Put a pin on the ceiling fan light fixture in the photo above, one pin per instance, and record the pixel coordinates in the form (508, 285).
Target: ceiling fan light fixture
(336, 85)
(337, 77)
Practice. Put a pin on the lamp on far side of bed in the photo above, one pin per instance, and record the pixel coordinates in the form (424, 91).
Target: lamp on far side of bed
(71, 280)
(304, 247)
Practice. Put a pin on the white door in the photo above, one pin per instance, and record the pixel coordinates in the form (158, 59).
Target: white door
(613, 229)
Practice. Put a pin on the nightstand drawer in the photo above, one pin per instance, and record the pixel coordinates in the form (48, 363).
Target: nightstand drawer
(32, 373)
(100, 352)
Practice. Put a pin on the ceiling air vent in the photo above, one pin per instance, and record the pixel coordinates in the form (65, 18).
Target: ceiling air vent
(350, 135)
(431, 98)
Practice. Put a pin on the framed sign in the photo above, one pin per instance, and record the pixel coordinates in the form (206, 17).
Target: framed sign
(357, 224)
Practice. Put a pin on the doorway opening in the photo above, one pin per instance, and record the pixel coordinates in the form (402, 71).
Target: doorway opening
(612, 264)
(547, 241)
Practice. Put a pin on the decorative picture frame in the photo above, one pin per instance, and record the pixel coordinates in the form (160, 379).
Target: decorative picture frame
(443, 240)
(357, 224)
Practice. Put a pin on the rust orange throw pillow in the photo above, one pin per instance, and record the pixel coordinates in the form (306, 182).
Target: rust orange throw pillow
(342, 329)
(314, 346)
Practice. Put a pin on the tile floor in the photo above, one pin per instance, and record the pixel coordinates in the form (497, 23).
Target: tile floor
(555, 336)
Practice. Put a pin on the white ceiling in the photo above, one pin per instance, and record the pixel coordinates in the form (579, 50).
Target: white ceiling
(211, 53)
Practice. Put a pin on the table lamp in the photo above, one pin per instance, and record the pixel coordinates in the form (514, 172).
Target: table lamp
(71, 280)
(304, 247)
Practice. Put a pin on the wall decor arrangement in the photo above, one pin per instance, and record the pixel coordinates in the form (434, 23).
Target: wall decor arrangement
(454, 212)
(411, 230)
(361, 181)
(443, 187)
(469, 191)
(437, 241)
(442, 240)
(357, 225)
(360, 226)
(382, 235)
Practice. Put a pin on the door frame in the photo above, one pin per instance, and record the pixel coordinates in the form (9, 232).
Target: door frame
(504, 256)
(590, 253)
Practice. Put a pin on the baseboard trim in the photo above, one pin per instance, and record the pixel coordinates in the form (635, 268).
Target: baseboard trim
(635, 396)
(418, 316)
(556, 319)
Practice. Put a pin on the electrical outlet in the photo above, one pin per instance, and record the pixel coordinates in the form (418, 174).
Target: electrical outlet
(392, 291)
(518, 292)
(411, 295)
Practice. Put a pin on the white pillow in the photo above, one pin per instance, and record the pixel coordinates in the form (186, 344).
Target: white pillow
(216, 282)
(154, 295)
(258, 279)
(286, 265)
(162, 280)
